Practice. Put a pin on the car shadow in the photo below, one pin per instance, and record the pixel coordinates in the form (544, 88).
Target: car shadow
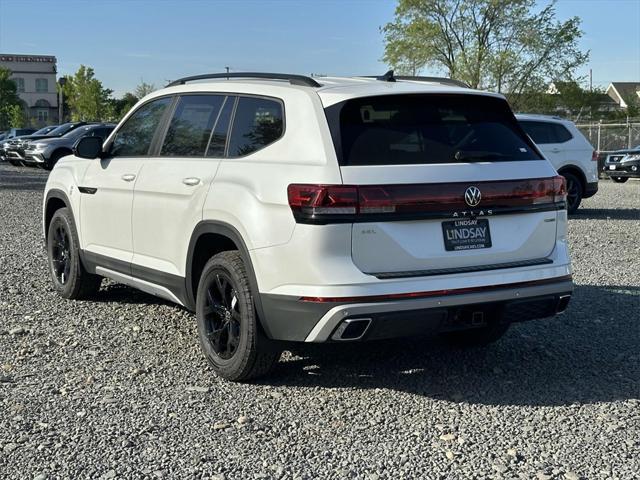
(589, 354)
(112, 292)
(606, 213)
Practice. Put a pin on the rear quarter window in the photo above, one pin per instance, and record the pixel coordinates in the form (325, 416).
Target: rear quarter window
(258, 122)
(427, 129)
(546, 132)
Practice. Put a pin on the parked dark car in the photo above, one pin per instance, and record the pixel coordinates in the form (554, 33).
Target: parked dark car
(15, 148)
(46, 152)
(622, 165)
(8, 136)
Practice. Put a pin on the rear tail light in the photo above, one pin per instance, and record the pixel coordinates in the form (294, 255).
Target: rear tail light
(351, 203)
(323, 199)
(594, 156)
(559, 189)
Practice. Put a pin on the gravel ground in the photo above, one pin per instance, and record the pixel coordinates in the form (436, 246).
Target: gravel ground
(117, 387)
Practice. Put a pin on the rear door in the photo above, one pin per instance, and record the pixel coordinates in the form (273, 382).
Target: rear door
(551, 138)
(174, 182)
(448, 181)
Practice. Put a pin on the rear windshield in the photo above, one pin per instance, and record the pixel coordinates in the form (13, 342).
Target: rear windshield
(426, 129)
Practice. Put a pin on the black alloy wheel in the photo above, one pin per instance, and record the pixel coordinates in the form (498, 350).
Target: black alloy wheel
(619, 179)
(574, 192)
(222, 315)
(68, 275)
(61, 254)
(229, 329)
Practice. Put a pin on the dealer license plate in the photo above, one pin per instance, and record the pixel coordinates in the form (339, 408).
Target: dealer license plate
(466, 234)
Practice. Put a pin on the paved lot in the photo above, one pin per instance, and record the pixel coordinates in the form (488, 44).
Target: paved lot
(116, 387)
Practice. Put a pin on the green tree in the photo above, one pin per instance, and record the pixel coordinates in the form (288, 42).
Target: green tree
(17, 117)
(8, 99)
(88, 100)
(502, 45)
(143, 89)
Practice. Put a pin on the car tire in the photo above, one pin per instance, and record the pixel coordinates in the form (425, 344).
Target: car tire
(15, 163)
(69, 277)
(619, 179)
(575, 191)
(228, 327)
(477, 337)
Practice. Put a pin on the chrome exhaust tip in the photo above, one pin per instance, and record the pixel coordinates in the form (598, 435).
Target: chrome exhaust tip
(351, 329)
(563, 303)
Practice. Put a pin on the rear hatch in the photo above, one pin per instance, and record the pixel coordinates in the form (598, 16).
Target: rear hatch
(443, 183)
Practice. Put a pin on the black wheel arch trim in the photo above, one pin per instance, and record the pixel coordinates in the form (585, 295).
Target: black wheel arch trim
(577, 171)
(60, 195)
(229, 231)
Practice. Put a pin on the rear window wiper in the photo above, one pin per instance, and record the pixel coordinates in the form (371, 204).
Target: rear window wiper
(462, 155)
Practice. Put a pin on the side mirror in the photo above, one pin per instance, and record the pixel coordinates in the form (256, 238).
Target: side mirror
(88, 147)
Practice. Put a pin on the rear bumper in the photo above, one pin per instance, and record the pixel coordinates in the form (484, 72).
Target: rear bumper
(290, 318)
(622, 173)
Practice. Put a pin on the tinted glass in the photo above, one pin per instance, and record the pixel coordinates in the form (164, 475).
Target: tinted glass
(62, 129)
(78, 132)
(221, 129)
(425, 129)
(561, 133)
(135, 136)
(191, 125)
(102, 132)
(257, 123)
(43, 131)
(540, 132)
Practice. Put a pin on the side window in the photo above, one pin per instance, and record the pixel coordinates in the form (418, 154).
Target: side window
(257, 123)
(191, 125)
(561, 133)
(221, 130)
(135, 136)
(102, 132)
(540, 132)
(42, 85)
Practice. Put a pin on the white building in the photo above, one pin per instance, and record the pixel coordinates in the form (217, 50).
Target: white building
(35, 76)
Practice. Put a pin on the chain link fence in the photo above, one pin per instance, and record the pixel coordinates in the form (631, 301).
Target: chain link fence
(609, 137)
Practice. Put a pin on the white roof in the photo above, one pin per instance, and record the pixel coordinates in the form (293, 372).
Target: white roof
(332, 90)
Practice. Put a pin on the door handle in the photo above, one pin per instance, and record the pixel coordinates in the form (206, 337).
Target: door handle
(128, 177)
(191, 181)
(555, 150)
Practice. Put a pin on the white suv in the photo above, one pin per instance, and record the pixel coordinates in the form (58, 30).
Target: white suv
(568, 151)
(283, 208)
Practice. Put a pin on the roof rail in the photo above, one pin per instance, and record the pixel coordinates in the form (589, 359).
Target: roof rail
(293, 79)
(443, 80)
(390, 77)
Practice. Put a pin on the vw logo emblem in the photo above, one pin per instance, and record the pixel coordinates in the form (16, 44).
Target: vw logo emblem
(472, 196)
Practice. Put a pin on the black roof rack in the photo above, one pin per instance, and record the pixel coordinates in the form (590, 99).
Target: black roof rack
(293, 79)
(390, 77)
(443, 80)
